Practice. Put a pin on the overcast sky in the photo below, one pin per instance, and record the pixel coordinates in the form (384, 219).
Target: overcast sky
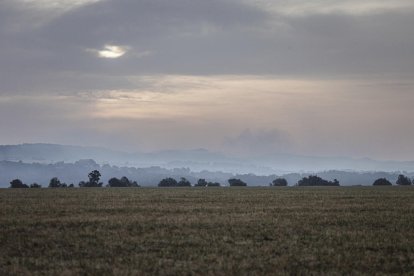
(326, 77)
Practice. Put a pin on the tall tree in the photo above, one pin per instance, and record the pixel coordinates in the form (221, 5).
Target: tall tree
(94, 177)
(55, 183)
(403, 180)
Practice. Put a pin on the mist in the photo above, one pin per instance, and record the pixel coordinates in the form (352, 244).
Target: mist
(38, 163)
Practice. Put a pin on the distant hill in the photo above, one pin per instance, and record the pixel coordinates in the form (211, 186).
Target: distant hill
(49, 153)
(196, 160)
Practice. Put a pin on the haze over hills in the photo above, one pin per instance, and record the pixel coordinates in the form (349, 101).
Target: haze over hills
(41, 162)
(197, 160)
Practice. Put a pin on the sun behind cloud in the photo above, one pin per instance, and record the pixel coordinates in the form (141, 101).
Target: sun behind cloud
(112, 51)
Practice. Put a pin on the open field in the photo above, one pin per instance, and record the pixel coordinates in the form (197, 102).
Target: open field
(207, 231)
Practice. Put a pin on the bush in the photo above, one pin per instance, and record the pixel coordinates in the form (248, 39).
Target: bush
(35, 185)
(123, 182)
(201, 183)
(55, 183)
(382, 182)
(279, 182)
(183, 183)
(314, 180)
(168, 182)
(236, 182)
(204, 183)
(17, 183)
(213, 184)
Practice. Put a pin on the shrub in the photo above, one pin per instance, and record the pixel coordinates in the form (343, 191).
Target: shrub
(123, 182)
(314, 180)
(382, 182)
(213, 184)
(168, 182)
(201, 183)
(55, 183)
(35, 185)
(279, 182)
(17, 183)
(204, 183)
(183, 182)
(236, 182)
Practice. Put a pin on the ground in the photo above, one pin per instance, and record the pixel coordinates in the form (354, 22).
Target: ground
(232, 231)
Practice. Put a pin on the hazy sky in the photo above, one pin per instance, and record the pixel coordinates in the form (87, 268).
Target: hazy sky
(322, 77)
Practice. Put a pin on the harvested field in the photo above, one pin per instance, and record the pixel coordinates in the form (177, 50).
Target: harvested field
(232, 231)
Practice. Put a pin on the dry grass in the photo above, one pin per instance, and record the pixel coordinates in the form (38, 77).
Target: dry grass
(207, 231)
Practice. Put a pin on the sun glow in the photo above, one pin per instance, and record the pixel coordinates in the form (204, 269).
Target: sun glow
(112, 51)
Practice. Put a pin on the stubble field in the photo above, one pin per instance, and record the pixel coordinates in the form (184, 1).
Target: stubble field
(232, 231)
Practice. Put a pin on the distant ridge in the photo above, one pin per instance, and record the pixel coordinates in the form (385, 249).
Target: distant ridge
(196, 160)
(42, 152)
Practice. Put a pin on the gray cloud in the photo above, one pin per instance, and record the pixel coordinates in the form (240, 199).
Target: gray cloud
(47, 55)
(198, 38)
(174, 30)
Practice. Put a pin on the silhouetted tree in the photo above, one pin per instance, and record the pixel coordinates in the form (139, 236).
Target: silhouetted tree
(168, 182)
(403, 180)
(123, 182)
(183, 182)
(314, 180)
(17, 183)
(55, 183)
(382, 182)
(35, 185)
(201, 183)
(236, 182)
(71, 185)
(94, 177)
(213, 184)
(128, 183)
(114, 182)
(279, 182)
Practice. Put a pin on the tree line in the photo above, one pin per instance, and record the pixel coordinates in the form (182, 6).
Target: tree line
(95, 176)
(151, 176)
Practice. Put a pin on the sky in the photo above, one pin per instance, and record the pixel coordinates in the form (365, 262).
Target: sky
(243, 77)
